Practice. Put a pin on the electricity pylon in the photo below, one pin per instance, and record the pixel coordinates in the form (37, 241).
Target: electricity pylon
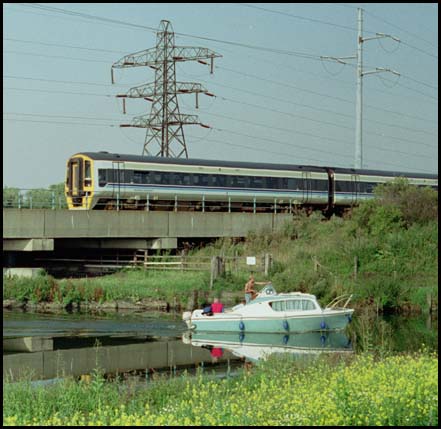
(165, 123)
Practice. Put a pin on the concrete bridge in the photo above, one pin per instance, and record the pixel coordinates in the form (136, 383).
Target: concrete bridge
(31, 234)
(38, 229)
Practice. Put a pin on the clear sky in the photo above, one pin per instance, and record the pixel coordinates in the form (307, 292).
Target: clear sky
(281, 107)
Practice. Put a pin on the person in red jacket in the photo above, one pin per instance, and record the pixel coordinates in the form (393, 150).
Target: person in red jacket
(217, 306)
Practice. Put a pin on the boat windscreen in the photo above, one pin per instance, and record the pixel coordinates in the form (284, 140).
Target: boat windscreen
(268, 290)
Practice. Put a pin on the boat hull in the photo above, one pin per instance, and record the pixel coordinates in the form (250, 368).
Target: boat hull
(335, 320)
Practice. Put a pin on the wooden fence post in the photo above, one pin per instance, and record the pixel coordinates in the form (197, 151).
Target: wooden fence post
(217, 269)
(267, 263)
(429, 301)
(355, 267)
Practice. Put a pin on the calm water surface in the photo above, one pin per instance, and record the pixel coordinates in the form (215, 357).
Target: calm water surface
(156, 341)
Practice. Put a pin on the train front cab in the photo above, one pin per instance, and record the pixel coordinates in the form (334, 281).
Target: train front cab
(79, 182)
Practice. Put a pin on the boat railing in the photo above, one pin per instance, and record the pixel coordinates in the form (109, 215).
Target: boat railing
(339, 299)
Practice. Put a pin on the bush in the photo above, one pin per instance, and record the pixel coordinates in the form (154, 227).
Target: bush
(416, 205)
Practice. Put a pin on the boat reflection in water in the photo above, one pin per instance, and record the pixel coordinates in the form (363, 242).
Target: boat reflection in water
(258, 346)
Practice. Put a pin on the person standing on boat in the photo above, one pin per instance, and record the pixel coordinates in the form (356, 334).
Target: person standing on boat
(249, 288)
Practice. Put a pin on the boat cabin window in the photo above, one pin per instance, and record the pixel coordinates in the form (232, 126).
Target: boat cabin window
(293, 305)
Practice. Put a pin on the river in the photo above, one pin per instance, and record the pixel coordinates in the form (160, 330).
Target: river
(42, 346)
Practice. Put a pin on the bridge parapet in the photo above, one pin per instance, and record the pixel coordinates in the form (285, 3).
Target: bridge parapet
(47, 223)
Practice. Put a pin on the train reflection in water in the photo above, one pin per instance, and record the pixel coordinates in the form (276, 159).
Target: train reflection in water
(259, 346)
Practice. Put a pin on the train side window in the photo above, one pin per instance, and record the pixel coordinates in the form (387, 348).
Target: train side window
(195, 179)
(187, 179)
(149, 177)
(203, 179)
(242, 181)
(294, 184)
(319, 185)
(178, 178)
(370, 187)
(342, 186)
(156, 178)
(138, 177)
(269, 183)
(87, 174)
(256, 182)
(220, 180)
(126, 176)
(102, 177)
(110, 175)
(165, 178)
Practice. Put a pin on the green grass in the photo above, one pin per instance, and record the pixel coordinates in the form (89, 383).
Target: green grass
(363, 391)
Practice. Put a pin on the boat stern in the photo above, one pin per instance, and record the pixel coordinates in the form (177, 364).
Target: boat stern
(186, 317)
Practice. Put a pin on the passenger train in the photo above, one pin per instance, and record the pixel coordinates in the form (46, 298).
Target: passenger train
(102, 180)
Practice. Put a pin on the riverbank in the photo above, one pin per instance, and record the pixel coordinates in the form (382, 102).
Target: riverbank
(133, 289)
(385, 254)
(359, 391)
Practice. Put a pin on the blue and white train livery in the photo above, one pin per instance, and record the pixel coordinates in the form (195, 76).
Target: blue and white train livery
(101, 180)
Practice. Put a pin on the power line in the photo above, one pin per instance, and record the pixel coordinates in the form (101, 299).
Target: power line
(324, 95)
(254, 149)
(106, 62)
(322, 138)
(344, 27)
(285, 85)
(61, 45)
(57, 92)
(55, 56)
(254, 47)
(321, 109)
(58, 122)
(402, 29)
(420, 82)
(273, 50)
(283, 129)
(289, 67)
(207, 139)
(235, 119)
(61, 116)
(316, 120)
(286, 113)
(85, 15)
(94, 17)
(61, 81)
(275, 111)
(318, 21)
(266, 96)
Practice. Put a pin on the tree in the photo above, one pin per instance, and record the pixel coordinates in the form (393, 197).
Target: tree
(53, 197)
(10, 197)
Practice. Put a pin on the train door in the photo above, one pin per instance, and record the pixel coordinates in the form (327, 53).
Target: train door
(75, 181)
(355, 188)
(331, 190)
(118, 180)
(307, 192)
